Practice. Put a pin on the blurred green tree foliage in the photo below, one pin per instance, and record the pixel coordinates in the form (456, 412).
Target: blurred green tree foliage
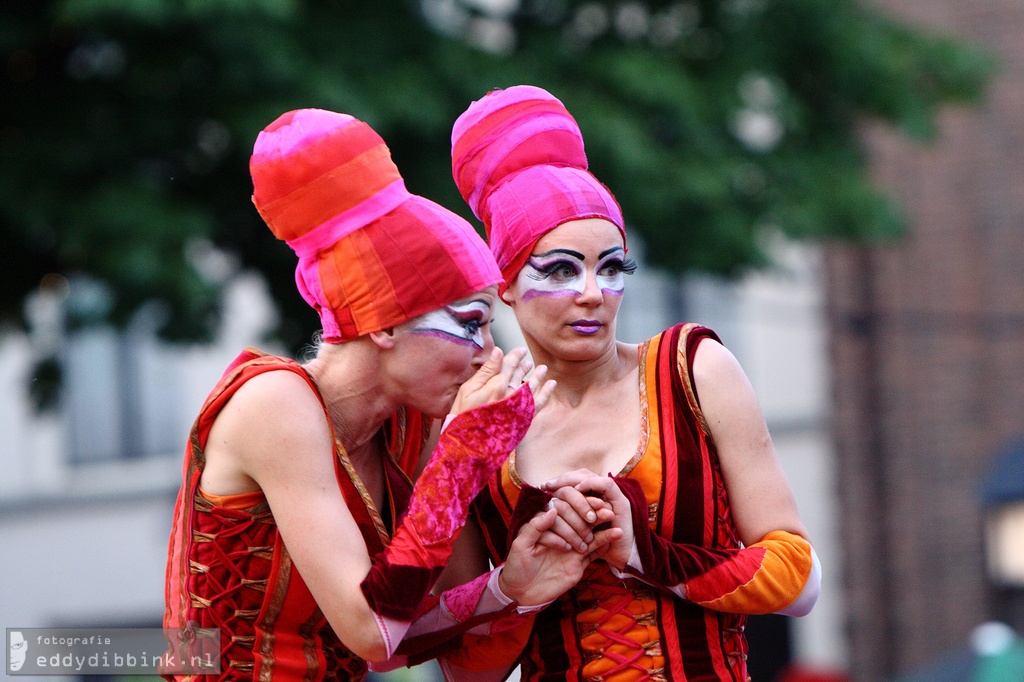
(126, 127)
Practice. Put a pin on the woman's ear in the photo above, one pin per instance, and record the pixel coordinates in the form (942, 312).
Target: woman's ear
(385, 338)
(506, 296)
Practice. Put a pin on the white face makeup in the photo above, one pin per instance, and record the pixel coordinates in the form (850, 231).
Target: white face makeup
(563, 272)
(461, 322)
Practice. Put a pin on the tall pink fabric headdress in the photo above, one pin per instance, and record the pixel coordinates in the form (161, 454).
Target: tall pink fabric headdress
(371, 254)
(518, 161)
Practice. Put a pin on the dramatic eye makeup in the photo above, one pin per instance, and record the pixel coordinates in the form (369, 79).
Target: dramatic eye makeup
(559, 272)
(611, 270)
(461, 323)
(563, 272)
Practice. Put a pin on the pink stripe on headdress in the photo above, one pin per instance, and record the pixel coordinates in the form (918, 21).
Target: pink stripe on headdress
(307, 280)
(518, 160)
(494, 101)
(537, 200)
(584, 195)
(344, 224)
(371, 255)
(500, 144)
(295, 130)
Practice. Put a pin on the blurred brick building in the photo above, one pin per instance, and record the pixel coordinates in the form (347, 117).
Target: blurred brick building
(927, 354)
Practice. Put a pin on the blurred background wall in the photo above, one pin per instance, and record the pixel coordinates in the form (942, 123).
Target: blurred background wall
(927, 347)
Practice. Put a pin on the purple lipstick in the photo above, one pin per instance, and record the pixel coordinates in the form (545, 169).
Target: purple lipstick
(586, 326)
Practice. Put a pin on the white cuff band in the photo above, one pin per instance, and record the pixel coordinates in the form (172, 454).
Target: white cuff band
(494, 586)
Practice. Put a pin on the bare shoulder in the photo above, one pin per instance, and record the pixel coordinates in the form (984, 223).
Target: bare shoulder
(277, 401)
(277, 386)
(727, 398)
(273, 413)
(715, 367)
(712, 353)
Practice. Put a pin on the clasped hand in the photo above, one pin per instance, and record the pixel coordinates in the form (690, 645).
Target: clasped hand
(592, 506)
(587, 518)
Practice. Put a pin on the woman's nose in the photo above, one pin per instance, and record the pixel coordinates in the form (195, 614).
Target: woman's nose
(484, 352)
(592, 293)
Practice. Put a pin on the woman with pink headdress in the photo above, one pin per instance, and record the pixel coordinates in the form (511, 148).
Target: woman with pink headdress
(668, 432)
(298, 532)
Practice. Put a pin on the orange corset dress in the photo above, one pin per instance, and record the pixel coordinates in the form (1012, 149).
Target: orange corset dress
(622, 629)
(228, 568)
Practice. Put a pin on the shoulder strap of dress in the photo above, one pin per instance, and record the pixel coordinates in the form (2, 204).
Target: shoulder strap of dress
(690, 336)
(245, 366)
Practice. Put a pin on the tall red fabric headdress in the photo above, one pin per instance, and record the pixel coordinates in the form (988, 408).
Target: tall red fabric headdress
(371, 254)
(519, 162)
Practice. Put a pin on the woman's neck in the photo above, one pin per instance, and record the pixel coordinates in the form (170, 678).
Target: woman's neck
(576, 378)
(350, 383)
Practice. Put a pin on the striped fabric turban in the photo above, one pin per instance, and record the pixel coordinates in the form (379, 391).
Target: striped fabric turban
(371, 254)
(519, 162)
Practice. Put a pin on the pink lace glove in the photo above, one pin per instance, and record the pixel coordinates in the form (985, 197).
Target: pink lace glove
(469, 451)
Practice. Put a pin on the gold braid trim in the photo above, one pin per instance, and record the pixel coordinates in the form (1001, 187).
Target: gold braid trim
(683, 367)
(364, 494)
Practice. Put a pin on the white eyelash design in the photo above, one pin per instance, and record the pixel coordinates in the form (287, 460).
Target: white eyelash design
(537, 278)
(614, 284)
(461, 323)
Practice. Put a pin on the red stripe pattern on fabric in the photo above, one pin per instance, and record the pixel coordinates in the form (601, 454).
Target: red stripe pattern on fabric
(228, 568)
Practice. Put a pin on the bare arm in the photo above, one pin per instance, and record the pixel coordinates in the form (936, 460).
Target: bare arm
(274, 432)
(759, 494)
(777, 569)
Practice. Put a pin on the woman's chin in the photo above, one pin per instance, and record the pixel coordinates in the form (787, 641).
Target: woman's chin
(578, 346)
(439, 408)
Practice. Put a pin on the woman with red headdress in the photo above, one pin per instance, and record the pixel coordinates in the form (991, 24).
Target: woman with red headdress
(668, 433)
(298, 532)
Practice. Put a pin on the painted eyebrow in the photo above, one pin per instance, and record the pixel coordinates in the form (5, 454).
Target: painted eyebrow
(577, 254)
(467, 304)
(569, 252)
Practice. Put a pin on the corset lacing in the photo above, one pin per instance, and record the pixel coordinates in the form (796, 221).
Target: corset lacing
(735, 646)
(606, 623)
(227, 576)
